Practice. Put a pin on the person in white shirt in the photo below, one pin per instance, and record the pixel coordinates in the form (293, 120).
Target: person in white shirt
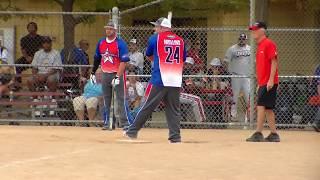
(48, 76)
(136, 57)
(238, 59)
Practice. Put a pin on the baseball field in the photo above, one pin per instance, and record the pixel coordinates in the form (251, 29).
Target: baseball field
(30, 152)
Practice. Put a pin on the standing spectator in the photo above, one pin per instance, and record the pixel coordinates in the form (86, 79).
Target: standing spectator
(3, 54)
(89, 99)
(30, 44)
(194, 53)
(135, 91)
(268, 80)
(238, 61)
(168, 53)
(48, 76)
(316, 86)
(112, 54)
(136, 57)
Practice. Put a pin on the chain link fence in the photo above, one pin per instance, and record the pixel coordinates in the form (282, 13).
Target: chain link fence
(208, 95)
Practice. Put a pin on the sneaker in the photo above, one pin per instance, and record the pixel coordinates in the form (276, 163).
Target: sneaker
(129, 137)
(316, 127)
(256, 137)
(273, 137)
(177, 141)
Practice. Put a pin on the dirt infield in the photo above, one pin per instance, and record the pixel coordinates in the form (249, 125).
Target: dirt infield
(88, 153)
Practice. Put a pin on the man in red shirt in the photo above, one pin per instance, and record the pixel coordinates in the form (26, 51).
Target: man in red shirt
(267, 77)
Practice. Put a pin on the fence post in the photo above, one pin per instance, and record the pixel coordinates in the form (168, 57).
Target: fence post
(252, 65)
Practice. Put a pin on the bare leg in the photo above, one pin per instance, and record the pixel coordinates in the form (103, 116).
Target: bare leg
(261, 118)
(80, 115)
(271, 120)
(91, 113)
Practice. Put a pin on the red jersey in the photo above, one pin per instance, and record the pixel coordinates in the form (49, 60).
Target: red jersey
(266, 51)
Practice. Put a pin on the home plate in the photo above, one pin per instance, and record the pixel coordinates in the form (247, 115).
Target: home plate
(133, 141)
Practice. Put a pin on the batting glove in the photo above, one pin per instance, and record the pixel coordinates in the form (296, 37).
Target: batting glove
(93, 79)
(115, 81)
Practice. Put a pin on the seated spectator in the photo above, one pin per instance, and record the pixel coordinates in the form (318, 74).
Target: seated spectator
(135, 91)
(89, 99)
(48, 76)
(216, 83)
(72, 56)
(136, 57)
(188, 98)
(6, 78)
(30, 44)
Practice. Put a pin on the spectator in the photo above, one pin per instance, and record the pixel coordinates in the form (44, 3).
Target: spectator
(3, 53)
(6, 78)
(72, 56)
(216, 83)
(83, 47)
(135, 91)
(194, 53)
(188, 98)
(316, 86)
(238, 61)
(136, 57)
(30, 44)
(89, 99)
(45, 75)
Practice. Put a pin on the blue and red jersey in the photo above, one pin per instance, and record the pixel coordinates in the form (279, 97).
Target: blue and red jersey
(169, 53)
(111, 54)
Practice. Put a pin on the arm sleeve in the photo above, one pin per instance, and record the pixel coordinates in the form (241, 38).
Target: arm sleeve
(5, 54)
(151, 46)
(272, 51)
(35, 59)
(123, 51)
(228, 55)
(96, 59)
(57, 61)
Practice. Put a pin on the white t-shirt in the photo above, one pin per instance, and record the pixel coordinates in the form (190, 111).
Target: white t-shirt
(136, 59)
(134, 92)
(47, 58)
(3, 54)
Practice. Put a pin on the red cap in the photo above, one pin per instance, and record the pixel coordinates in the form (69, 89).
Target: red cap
(257, 26)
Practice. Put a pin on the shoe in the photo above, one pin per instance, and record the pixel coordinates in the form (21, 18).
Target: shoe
(129, 137)
(256, 137)
(177, 141)
(273, 137)
(316, 127)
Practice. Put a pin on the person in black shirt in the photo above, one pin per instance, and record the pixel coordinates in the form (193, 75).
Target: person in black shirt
(30, 44)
